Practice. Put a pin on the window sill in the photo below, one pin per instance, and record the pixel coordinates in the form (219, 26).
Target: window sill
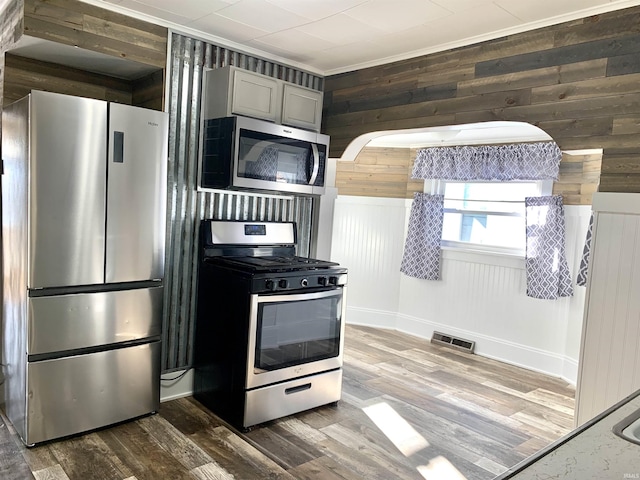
(471, 255)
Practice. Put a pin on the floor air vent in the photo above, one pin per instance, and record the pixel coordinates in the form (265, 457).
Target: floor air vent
(450, 341)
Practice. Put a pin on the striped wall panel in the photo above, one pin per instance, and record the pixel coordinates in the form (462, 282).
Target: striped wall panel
(186, 206)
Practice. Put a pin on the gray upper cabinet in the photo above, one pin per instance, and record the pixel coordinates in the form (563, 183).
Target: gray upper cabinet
(234, 91)
(301, 107)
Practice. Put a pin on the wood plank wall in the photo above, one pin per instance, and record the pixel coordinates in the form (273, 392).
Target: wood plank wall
(579, 81)
(71, 22)
(10, 31)
(376, 172)
(80, 24)
(386, 172)
(23, 75)
(578, 178)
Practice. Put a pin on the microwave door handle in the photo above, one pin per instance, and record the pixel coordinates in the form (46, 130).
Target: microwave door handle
(316, 164)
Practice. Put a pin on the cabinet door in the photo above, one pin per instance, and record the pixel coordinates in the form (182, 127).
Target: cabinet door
(301, 107)
(254, 95)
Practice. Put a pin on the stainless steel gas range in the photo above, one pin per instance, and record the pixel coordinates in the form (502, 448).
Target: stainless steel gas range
(269, 324)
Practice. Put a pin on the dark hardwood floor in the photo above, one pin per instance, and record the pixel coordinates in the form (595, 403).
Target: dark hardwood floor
(409, 410)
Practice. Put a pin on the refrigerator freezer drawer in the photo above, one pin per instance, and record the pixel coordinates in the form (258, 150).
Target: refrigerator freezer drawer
(68, 322)
(75, 394)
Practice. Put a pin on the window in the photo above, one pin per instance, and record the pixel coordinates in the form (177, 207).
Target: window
(487, 216)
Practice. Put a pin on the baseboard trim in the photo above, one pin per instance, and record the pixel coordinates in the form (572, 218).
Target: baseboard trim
(538, 360)
(180, 387)
(370, 317)
(535, 359)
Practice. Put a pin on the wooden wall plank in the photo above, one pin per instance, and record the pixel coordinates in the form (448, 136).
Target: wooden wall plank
(378, 172)
(626, 124)
(598, 27)
(560, 55)
(148, 91)
(506, 99)
(391, 85)
(622, 183)
(71, 22)
(24, 75)
(457, 74)
(595, 87)
(39, 7)
(112, 46)
(10, 32)
(11, 22)
(55, 14)
(512, 45)
(623, 64)
(75, 23)
(567, 110)
(584, 127)
(621, 164)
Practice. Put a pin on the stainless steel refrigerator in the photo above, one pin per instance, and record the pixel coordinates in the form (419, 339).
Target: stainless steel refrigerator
(83, 233)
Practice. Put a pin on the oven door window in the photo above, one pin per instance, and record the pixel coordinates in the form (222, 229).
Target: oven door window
(298, 331)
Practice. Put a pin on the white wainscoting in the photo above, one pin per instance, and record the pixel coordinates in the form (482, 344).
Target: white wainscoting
(480, 298)
(368, 238)
(610, 356)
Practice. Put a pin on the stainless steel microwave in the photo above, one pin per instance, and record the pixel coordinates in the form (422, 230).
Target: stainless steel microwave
(247, 153)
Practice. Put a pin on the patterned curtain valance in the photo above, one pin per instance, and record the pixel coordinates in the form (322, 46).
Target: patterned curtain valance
(518, 161)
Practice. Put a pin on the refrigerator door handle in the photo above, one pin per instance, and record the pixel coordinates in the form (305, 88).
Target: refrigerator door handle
(118, 147)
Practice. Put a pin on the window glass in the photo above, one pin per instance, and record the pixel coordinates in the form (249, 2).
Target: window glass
(487, 214)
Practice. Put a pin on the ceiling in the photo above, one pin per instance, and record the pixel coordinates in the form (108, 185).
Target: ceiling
(334, 36)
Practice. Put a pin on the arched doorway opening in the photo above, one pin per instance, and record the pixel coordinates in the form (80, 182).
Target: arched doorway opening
(482, 299)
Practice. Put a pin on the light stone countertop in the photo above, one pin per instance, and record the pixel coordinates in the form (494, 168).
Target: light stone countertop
(592, 451)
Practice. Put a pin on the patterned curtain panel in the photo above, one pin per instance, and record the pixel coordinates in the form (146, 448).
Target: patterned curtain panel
(546, 265)
(584, 262)
(421, 258)
(521, 161)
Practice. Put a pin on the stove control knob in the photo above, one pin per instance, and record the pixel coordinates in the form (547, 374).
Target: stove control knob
(304, 282)
(283, 283)
(270, 285)
(323, 281)
(333, 280)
